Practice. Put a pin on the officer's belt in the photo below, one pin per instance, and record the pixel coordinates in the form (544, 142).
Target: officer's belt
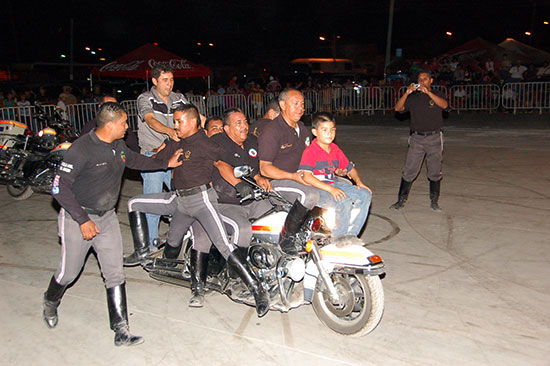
(194, 190)
(424, 133)
(91, 211)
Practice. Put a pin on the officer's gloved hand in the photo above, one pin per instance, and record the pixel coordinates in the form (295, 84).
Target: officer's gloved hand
(244, 189)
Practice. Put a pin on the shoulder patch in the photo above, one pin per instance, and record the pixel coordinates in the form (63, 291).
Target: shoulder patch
(308, 141)
(252, 152)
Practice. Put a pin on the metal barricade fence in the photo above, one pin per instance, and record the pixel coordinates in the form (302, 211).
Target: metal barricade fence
(487, 97)
(131, 109)
(79, 114)
(532, 95)
(216, 104)
(199, 102)
(476, 97)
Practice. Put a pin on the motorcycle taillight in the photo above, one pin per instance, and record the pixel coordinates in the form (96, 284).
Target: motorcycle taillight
(28, 132)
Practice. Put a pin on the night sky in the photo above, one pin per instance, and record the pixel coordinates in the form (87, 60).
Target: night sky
(243, 31)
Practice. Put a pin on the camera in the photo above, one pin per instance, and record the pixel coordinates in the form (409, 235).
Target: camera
(416, 86)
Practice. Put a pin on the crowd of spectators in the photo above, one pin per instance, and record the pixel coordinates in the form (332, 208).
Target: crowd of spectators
(446, 72)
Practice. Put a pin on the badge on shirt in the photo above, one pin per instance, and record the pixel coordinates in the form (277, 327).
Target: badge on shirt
(285, 146)
(55, 185)
(187, 155)
(308, 141)
(252, 152)
(123, 156)
(432, 103)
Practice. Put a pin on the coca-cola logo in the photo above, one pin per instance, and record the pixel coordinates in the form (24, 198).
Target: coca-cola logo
(176, 64)
(114, 66)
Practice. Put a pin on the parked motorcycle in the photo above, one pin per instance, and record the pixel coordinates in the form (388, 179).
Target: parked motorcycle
(28, 161)
(340, 279)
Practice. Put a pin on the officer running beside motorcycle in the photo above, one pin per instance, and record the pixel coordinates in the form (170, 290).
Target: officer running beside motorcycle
(87, 186)
(193, 198)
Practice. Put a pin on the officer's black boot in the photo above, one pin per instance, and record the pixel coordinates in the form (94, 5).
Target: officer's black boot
(199, 265)
(245, 273)
(171, 252)
(293, 222)
(403, 194)
(435, 186)
(118, 317)
(52, 299)
(140, 234)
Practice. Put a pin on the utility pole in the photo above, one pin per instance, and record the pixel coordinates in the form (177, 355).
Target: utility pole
(388, 40)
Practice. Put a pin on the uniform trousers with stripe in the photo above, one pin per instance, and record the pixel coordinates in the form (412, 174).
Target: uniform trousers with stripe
(237, 224)
(202, 207)
(107, 245)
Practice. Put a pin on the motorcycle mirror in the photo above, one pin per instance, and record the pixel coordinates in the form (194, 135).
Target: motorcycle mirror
(241, 171)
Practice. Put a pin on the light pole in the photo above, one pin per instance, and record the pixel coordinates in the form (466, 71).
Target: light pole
(388, 40)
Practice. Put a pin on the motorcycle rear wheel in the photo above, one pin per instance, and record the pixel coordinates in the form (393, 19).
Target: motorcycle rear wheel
(360, 306)
(19, 192)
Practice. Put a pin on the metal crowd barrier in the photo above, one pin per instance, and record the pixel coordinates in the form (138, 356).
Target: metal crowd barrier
(367, 100)
(532, 96)
(475, 97)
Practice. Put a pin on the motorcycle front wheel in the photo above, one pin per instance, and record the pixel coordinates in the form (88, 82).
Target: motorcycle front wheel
(359, 308)
(19, 192)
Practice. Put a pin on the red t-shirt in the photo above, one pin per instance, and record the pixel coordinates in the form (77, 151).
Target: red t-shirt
(323, 164)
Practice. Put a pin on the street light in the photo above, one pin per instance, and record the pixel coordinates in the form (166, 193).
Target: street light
(322, 38)
(527, 33)
(211, 44)
(449, 33)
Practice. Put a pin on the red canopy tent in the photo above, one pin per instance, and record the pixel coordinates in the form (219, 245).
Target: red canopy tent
(139, 63)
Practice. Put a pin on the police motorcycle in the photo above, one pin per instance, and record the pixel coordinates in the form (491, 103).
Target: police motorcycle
(28, 161)
(341, 280)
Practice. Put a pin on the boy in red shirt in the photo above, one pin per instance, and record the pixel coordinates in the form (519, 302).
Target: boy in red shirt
(320, 163)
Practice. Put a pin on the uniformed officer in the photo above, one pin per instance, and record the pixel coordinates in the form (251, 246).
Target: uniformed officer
(426, 137)
(280, 148)
(238, 148)
(155, 124)
(193, 199)
(87, 187)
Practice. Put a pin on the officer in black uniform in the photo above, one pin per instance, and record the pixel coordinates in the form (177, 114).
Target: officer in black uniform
(281, 145)
(426, 137)
(193, 199)
(87, 187)
(238, 148)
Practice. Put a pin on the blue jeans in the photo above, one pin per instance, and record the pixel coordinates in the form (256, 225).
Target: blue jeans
(152, 183)
(355, 199)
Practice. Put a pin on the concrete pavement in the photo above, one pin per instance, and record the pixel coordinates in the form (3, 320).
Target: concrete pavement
(469, 285)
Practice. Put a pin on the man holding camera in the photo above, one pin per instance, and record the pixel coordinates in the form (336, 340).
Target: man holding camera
(426, 137)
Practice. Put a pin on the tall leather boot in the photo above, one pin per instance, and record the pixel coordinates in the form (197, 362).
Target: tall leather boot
(52, 299)
(171, 252)
(199, 265)
(118, 317)
(294, 220)
(435, 187)
(140, 235)
(404, 189)
(261, 297)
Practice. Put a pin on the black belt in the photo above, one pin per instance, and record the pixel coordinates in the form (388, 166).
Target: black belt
(91, 211)
(424, 133)
(194, 190)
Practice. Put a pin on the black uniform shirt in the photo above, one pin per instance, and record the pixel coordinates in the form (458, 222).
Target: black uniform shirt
(425, 114)
(199, 155)
(91, 172)
(257, 127)
(234, 155)
(280, 144)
